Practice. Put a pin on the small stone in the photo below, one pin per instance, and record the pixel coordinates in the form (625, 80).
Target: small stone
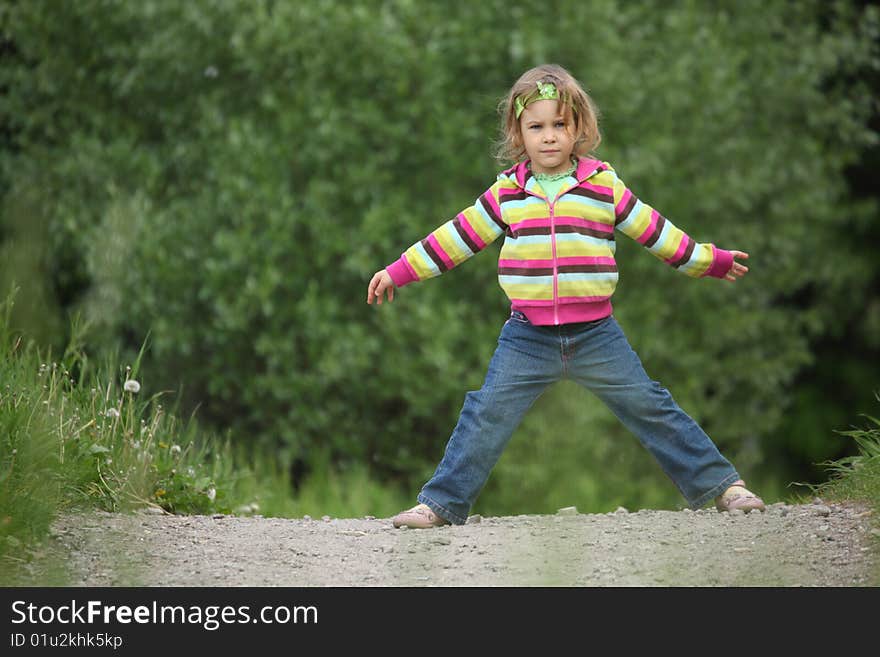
(441, 540)
(154, 511)
(736, 512)
(686, 511)
(369, 517)
(741, 549)
(325, 518)
(307, 517)
(818, 500)
(786, 510)
(474, 519)
(567, 511)
(822, 510)
(621, 509)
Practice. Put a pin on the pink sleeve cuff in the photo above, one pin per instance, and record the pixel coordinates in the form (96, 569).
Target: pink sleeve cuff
(722, 261)
(401, 273)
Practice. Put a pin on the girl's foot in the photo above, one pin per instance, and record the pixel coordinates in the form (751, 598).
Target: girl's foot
(419, 517)
(738, 497)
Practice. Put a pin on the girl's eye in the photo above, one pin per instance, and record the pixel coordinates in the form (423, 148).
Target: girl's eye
(560, 124)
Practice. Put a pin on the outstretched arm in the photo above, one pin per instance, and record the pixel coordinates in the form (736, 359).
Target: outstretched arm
(664, 240)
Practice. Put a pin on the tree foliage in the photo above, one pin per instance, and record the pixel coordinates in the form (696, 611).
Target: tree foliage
(227, 175)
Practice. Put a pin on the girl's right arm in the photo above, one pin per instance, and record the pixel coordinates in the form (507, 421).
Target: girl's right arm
(459, 239)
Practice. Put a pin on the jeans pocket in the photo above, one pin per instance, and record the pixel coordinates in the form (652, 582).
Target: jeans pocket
(517, 316)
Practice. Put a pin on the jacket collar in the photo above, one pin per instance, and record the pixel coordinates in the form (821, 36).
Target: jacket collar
(523, 177)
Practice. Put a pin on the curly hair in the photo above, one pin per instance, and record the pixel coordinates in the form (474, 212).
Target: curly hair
(581, 112)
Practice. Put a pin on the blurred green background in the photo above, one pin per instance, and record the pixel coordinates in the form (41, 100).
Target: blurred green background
(225, 176)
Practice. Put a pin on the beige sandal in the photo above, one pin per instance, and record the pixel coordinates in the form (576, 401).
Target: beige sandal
(420, 516)
(739, 497)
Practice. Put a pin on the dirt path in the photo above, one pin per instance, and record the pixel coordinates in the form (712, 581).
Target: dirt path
(803, 545)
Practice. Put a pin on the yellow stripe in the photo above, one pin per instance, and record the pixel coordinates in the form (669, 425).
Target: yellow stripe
(446, 242)
(487, 229)
(585, 212)
(638, 224)
(535, 211)
(586, 288)
(521, 251)
(566, 249)
(418, 264)
(529, 291)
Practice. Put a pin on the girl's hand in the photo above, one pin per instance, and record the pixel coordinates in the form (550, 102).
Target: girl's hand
(737, 270)
(381, 281)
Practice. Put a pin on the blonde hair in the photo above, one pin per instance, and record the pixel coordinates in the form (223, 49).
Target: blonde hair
(580, 111)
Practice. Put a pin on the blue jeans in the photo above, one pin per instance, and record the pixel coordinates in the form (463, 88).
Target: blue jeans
(597, 355)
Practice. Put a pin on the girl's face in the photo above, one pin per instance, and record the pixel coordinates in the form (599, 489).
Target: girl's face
(547, 136)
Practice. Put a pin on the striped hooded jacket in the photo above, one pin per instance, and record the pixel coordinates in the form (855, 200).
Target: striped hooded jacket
(557, 262)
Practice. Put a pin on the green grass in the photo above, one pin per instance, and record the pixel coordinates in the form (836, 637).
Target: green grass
(73, 436)
(858, 478)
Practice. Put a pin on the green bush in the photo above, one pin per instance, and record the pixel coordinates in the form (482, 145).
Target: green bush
(228, 175)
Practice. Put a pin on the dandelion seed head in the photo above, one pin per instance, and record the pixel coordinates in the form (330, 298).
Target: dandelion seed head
(111, 412)
(132, 386)
(175, 450)
(211, 493)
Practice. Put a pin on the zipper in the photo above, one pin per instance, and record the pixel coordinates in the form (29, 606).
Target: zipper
(552, 205)
(555, 266)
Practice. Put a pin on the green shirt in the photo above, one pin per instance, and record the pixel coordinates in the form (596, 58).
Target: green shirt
(552, 183)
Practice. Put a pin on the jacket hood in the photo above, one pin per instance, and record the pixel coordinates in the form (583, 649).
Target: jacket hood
(522, 175)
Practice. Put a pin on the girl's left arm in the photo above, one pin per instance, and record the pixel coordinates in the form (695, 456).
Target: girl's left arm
(670, 244)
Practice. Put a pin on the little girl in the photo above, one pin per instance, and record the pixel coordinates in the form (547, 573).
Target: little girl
(558, 210)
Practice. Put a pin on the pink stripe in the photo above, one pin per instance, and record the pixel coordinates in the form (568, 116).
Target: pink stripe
(650, 229)
(548, 303)
(623, 201)
(507, 191)
(680, 251)
(543, 264)
(587, 260)
(440, 252)
(530, 264)
(531, 223)
(598, 188)
(491, 199)
(464, 223)
(563, 300)
(565, 221)
(586, 223)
